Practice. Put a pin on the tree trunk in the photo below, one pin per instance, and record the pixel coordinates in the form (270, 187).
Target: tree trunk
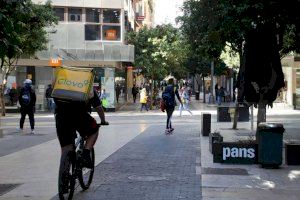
(240, 90)
(235, 116)
(2, 103)
(261, 113)
(203, 88)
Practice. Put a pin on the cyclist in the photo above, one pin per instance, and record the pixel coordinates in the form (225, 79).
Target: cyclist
(72, 116)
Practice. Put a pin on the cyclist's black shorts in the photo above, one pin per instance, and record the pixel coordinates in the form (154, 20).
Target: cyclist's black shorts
(67, 125)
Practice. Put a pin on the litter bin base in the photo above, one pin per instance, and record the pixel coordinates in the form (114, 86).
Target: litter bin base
(270, 166)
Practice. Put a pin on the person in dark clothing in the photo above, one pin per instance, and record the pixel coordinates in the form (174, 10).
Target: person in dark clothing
(12, 96)
(118, 92)
(220, 94)
(27, 99)
(135, 91)
(216, 91)
(169, 97)
(50, 102)
(72, 116)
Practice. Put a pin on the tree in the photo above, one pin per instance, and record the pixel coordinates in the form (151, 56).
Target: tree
(268, 30)
(199, 24)
(159, 51)
(236, 22)
(23, 33)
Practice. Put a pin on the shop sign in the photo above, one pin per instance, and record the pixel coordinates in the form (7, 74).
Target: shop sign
(55, 62)
(236, 153)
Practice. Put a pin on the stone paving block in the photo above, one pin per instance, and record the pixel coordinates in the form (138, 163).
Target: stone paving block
(152, 166)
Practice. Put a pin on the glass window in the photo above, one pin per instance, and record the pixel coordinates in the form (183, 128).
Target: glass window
(111, 16)
(111, 32)
(92, 32)
(92, 15)
(75, 14)
(60, 13)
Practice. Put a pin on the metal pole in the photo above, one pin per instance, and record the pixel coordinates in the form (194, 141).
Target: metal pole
(212, 82)
(252, 119)
(1, 132)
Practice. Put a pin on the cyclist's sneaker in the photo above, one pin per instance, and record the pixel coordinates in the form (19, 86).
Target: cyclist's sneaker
(167, 131)
(20, 130)
(86, 159)
(171, 129)
(104, 123)
(32, 131)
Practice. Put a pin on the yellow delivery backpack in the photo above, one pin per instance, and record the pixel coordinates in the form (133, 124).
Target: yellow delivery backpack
(74, 84)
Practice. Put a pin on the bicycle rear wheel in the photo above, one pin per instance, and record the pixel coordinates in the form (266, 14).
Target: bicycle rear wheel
(85, 175)
(66, 176)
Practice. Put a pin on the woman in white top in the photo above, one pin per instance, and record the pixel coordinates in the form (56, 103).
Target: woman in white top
(185, 98)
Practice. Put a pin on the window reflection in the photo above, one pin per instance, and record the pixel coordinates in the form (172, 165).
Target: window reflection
(60, 13)
(93, 15)
(92, 32)
(111, 16)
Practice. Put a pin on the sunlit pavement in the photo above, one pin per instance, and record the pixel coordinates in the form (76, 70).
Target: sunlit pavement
(32, 164)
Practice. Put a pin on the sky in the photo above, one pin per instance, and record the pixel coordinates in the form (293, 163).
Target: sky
(166, 11)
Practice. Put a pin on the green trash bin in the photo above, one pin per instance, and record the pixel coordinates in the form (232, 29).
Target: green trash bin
(269, 139)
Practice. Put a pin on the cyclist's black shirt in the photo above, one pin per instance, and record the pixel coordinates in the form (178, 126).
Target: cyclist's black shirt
(76, 107)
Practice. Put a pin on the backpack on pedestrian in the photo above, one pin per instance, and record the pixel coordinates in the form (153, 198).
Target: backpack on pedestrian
(26, 97)
(168, 99)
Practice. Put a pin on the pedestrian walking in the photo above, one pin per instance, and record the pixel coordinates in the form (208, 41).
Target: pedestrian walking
(134, 92)
(27, 99)
(216, 91)
(118, 92)
(185, 99)
(49, 99)
(220, 94)
(143, 99)
(169, 98)
(12, 95)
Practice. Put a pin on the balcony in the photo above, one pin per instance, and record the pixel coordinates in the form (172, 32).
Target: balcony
(109, 52)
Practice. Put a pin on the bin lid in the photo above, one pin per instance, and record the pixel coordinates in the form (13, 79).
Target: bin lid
(270, 126)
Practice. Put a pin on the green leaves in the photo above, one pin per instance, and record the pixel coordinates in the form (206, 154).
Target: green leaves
(23, 29)
(159, 51)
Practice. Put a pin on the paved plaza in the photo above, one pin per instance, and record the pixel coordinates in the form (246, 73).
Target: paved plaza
(135, 160)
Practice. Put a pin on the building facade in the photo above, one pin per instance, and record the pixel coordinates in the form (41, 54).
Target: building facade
(144, 13)
(290, 95)
(90, 33)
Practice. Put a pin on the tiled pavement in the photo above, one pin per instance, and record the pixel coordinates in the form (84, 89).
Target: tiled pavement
(153, 166)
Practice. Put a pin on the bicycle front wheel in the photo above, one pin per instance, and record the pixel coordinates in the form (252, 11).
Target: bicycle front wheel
(66, 176)
(85, 175)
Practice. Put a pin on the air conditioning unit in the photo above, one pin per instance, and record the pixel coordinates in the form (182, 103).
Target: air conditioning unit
(75, 17)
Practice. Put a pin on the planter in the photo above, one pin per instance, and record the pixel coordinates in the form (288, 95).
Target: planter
(241, 152)
(292, 152)
(214, 140)
(225, 113)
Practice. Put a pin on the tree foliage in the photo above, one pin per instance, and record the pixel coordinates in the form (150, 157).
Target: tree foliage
(159, 51)
(23, 32)
(23, 29)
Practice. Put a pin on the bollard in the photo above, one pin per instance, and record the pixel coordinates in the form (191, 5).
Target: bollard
(205, 124)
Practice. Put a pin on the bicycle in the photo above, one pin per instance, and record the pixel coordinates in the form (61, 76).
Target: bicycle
(71, 169)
